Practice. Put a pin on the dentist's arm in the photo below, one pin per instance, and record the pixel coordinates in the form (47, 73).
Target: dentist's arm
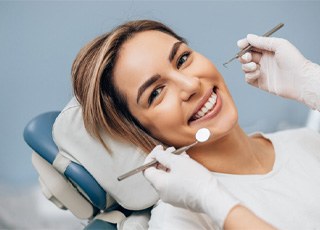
(276, 66)
(187, 184)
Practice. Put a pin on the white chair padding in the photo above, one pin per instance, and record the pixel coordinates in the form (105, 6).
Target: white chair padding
(73, 141)
(59, 190)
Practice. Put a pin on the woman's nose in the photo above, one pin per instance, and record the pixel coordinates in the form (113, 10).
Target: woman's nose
(188, 85)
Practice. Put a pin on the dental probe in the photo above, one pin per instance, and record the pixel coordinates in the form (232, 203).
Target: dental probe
(154, 162)
(249, 47)
(202, 135)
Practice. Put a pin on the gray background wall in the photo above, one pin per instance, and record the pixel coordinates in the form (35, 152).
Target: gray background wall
(39, 40)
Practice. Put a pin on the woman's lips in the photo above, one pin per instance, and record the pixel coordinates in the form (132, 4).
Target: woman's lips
(210, 113)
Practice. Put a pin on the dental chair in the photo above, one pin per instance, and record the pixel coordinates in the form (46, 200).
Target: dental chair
(78, 174)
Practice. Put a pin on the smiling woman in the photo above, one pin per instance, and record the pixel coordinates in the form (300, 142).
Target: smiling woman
(186, 86)
(142, 83)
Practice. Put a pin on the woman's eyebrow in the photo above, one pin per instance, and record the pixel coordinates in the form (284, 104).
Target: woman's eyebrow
(146, 84)
(174, 50)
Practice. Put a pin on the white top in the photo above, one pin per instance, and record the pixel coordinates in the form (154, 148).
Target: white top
(288, 197)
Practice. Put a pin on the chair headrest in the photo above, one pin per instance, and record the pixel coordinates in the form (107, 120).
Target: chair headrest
(74, 142)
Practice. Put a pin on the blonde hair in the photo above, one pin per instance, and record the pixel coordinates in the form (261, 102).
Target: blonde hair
(105, 110)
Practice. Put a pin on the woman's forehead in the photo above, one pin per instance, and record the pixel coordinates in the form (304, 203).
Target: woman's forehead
(148, 41)
(143, 54)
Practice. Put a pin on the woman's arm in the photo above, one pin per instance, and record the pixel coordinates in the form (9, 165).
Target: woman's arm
(242, 218)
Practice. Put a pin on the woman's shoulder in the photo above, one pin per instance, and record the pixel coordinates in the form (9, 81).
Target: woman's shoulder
(296, 140)
(165, 216)
(293, 135)
(300, 133)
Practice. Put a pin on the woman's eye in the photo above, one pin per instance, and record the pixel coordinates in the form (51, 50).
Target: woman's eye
(182, 59)
(154, 94)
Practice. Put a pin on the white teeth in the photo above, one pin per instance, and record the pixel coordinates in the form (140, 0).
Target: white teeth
(207, 106)
(200, 114)
(213, 98)
(204, 109)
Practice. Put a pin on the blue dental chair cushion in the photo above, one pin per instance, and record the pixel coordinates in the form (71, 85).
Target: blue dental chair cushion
(38, 135)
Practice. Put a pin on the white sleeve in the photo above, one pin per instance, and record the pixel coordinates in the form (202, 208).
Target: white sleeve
(165, 216)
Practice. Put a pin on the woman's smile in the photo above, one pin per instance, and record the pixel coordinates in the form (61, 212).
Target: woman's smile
(209, 106)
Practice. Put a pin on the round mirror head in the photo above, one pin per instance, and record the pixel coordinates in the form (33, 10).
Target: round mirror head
(203, 135)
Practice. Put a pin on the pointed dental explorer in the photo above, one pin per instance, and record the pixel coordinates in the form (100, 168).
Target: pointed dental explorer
(202, 135)
(249, 47)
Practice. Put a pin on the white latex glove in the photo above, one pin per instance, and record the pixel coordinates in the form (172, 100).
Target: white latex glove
(187, 184)
(276, 66)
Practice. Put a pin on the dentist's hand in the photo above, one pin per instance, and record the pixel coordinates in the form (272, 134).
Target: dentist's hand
(276, 66)
(187, 184)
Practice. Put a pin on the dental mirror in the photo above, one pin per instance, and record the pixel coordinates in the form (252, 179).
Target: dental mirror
(203, 135)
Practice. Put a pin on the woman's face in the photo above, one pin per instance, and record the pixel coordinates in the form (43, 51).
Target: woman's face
(172, 90)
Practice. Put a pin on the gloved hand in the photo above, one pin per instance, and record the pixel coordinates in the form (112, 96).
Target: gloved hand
(276, 66)
(187, 184)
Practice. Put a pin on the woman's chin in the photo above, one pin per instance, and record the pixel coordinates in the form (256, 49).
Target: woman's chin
(225, 125)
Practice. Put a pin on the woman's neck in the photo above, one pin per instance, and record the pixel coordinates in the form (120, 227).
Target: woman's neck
(236, 153)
